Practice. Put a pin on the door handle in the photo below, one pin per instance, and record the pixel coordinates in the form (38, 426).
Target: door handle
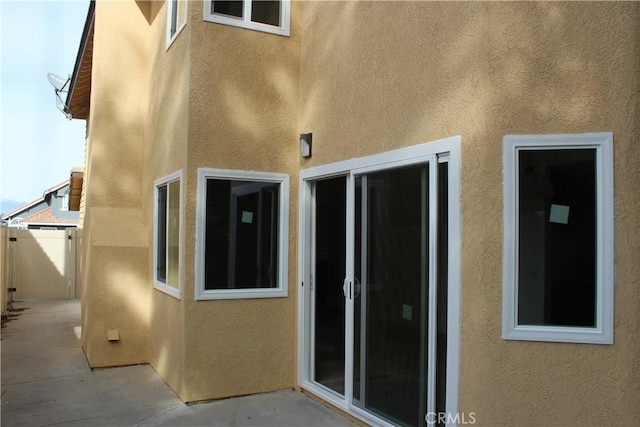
(346, 288)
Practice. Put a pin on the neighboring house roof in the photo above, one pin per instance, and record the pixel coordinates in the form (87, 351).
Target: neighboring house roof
(54, 188)
(46, 217)
(35, 202)
(22, 208)
(79, 96)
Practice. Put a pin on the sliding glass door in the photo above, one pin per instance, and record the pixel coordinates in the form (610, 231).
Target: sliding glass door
(329, 251)
(375, 291)
(390, 302)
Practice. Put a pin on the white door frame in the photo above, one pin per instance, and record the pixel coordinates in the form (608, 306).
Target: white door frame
(442, 150)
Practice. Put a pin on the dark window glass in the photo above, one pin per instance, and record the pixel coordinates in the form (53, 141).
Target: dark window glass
(231, 8)
(557, 237)
(330, 251)
(241, 248)
(174, 17)
(390, 307)
(173, 234)
(161, 249)
(443, 289)
(266, 12)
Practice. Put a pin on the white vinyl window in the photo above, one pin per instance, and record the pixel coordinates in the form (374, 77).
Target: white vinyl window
(271, 16)
(176, 19)
(167, 253)
(241, 234)
(558, 274)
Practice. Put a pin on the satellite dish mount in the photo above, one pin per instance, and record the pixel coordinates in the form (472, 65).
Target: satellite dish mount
(60, 85)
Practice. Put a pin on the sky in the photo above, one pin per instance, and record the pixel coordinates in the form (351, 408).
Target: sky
(38, 145)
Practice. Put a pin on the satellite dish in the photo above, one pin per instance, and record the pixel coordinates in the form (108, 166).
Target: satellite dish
(60, 85)
(57, 82)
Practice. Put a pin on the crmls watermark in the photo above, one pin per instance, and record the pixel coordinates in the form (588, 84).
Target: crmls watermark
(459, 418)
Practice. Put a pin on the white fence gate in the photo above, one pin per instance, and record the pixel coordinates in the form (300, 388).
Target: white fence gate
(43, 263)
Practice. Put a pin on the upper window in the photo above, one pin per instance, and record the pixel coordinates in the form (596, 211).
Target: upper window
(176, 18)
(166, 248)
(64, 203)
(241, 234)
(558, 230)
(271, 16)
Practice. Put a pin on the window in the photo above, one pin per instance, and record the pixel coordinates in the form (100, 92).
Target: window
(241, 234)
(558, 230)
(64, 203)
(271, 16)
(167, 235)
(176, 19)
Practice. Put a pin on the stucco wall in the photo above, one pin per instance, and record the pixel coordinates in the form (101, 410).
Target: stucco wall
(115, 289)
(242, 115)
(377, 76)
(166, 153)
(364, 77)
(210, 106)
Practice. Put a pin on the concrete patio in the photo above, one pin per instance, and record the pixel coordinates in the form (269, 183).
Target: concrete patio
(46, 381)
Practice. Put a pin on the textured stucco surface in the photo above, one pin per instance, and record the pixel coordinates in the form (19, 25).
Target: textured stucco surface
(364, 77)
(115, 290)
(118, 305)
(167, 127)
(242, 115)
(376, 76)
(225, 111)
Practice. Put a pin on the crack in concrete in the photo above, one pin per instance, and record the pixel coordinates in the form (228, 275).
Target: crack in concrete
(42, 379)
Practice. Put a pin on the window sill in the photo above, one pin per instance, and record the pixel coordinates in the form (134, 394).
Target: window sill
(171, 39)
(574, 335)
(241, 294)
(166, 289)
(249, 25)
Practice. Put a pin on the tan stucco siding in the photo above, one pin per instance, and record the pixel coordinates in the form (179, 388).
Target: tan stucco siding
(364, 78)
(242, 115)
(570, 70)
(377, 76)
(166, 153)
(115, 289)
(232, 354)
(117, 304)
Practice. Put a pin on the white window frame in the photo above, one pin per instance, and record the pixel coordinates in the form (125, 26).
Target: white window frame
(282, 290)
(444, 150)
(174, 7)
(602, 333)
(245, 21)
(164, 287)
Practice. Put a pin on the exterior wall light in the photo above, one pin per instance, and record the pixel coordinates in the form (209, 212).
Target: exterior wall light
(305, 145)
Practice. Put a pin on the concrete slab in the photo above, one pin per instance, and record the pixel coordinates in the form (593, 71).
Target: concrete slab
(46, 381)
(286, 408)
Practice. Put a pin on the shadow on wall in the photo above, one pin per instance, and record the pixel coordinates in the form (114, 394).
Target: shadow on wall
(117, 147)
(243, 97)
(453, 69)
(146, 7)
(479, 70)
(115, 289)
(482, 71)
